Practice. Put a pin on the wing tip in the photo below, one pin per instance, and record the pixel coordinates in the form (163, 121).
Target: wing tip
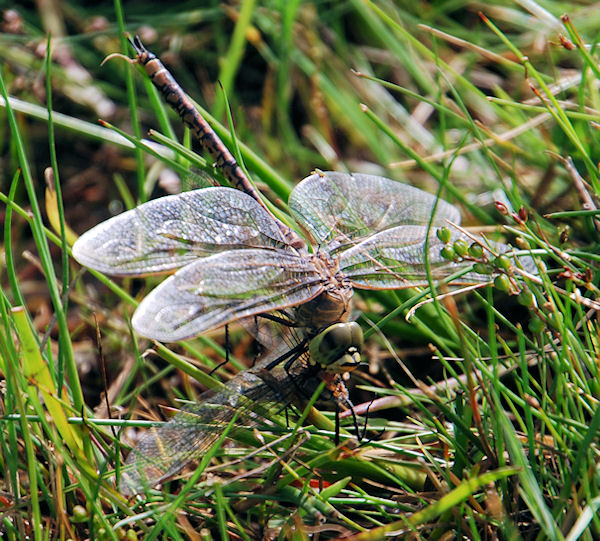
(83, 253)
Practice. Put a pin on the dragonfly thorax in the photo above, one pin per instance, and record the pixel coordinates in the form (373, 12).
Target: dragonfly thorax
(333, 304)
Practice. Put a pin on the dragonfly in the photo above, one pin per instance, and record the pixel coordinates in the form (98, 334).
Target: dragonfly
(231, 259)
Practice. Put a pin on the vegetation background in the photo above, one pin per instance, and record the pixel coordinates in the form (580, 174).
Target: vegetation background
(489, 428)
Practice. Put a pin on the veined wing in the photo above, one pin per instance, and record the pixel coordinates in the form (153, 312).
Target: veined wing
(253, 395)
(170, 232)
(395, 259)
(225, 287)
(341, 209)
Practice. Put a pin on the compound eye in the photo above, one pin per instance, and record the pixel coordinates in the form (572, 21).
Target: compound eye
(334, 346)
(356, 336)
(337, 336)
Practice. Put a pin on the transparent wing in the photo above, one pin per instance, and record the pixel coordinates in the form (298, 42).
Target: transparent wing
(272, 335)
(170, 232)
(252, 395)
(341, 209)
(225, 287)
(395, 259)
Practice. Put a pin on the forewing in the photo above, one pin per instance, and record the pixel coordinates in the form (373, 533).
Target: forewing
(395, 259)
(223, 288)
(341, 209)
(170, 232)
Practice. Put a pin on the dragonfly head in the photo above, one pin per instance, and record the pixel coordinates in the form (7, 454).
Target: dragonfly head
(338, 347)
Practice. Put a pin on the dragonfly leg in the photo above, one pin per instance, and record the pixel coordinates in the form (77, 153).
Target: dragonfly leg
(359, 436)
(289, 357)
(363, 438)
(259, 346)
(226, 361)
(336, 438)
(285, 320)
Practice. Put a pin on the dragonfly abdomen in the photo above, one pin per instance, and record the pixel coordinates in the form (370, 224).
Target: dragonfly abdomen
(177, 99)
(201, 130)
